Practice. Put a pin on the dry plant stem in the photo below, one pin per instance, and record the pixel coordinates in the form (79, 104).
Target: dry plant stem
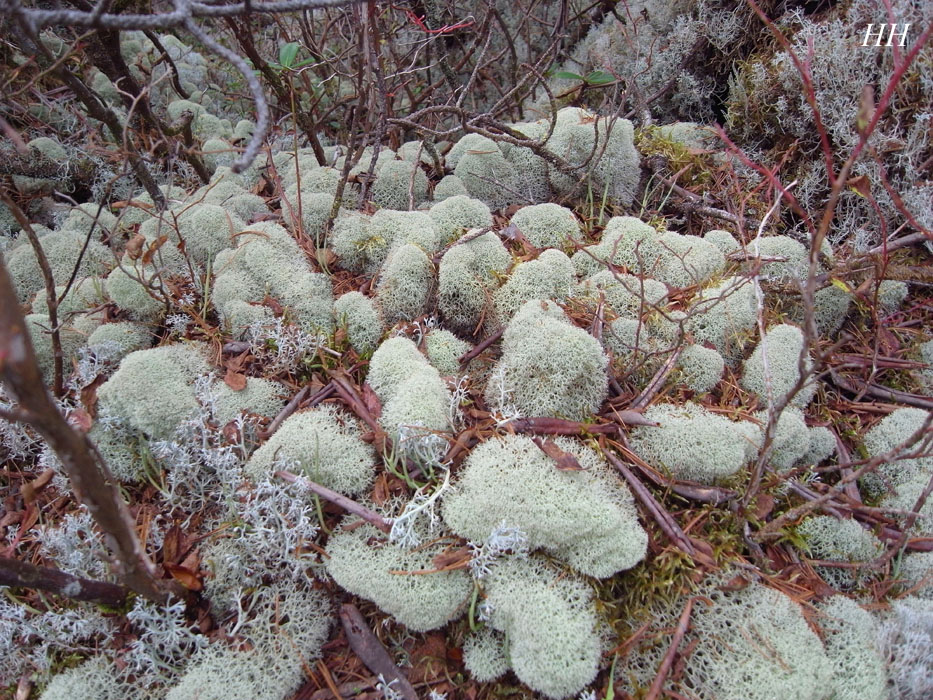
(371, 652)
(467, 356)
(176, 84)
(21, 574)
(664, 519)
(91, 479)
(51, 299)
(774, 528)
(657, 686)
(881, 392)
(657, 381)
(559, 426)
(289, 409)
(338, 499)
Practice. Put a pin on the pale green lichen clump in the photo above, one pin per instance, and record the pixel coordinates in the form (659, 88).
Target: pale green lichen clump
(444, 350)
(907, 477)
(549, 367)
(850, 641)
(784, 344)
(457, 213)
(153, 390)
(128, 336)
(585, 518)
(751, 643)
(550, 276)
(467, 276)
(701, 368)
(694, 444)
(846, 541)
(416, 401)
(400, 185)
(547, 225)
(550, 625)
(286, 634)
(406, 284)
(323, 444)
(261, 397)
(363, 562)
(360, 316)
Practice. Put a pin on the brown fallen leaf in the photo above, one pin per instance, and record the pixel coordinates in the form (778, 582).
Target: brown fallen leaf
(371, 401)
(134, 247)
(153, 249)
(185, 577)
(566, 462)
(30, 489)
(457, 558)
(89, 395)
(277, 309)
(171, 545)
(80, 419)
(235, 380)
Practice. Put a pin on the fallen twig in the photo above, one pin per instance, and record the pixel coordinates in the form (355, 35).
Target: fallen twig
(683, 623)
(338, 499)
(664, 519)
(559, 426)
(371, 652)
(467, 356)
(18, 573)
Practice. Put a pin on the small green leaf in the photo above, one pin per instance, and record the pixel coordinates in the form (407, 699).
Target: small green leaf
(598, 77)
(566, 75)
(287, 54)
(302, 64)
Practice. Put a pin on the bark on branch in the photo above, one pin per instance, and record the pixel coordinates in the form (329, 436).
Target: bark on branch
(18, 573)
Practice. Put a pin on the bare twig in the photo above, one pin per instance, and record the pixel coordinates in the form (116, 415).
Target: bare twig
(18, 573)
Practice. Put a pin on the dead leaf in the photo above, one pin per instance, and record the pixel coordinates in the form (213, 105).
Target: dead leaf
(29, 519)
(453, 558)
(235, 380)
(231, 433)
(764, 506)
(185, 577)
(277, 309)
(380, 492)
(371, 401)
(860, 185)
(566, 462)
(171, 545)
(80, 419)
(30, 489)
(134, 247)
(89, 395)
(153, 249)
(736, 583)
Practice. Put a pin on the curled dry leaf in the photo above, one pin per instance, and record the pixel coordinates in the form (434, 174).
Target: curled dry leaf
(566, 462)
(235, 380)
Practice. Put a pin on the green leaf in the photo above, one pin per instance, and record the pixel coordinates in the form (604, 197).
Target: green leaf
(566, 75)
(287, 54)
(305, 62)
(598, 77)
